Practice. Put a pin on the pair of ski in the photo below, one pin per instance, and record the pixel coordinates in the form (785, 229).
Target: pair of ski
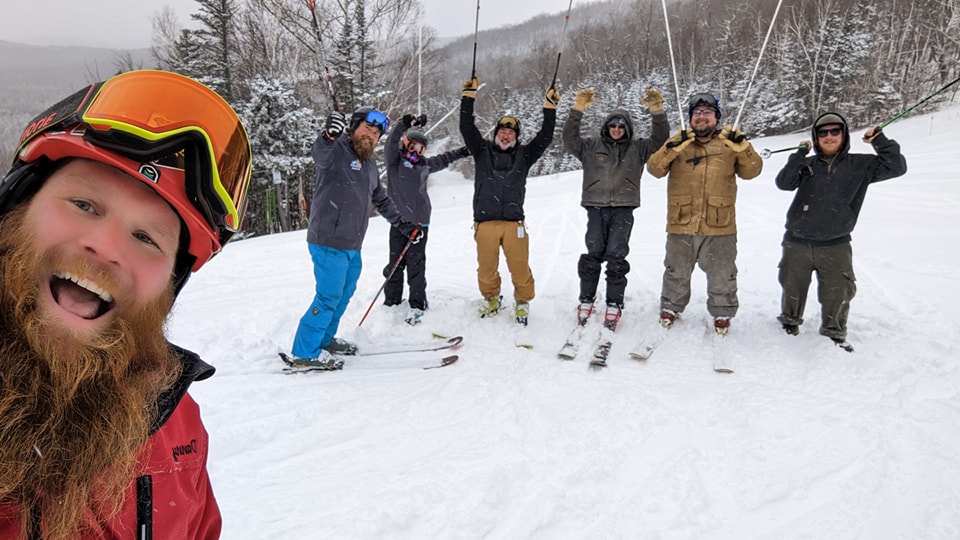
(601, 351)
(643, 350)
(291, 366)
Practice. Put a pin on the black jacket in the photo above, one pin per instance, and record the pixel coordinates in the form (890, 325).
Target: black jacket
(830, 191)
(501, 178)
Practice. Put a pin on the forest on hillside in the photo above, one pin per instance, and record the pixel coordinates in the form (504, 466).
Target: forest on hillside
(282, 69)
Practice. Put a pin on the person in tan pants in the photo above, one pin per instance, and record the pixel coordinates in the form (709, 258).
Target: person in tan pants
(500, 185)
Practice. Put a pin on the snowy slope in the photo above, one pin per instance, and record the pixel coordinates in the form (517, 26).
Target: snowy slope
(803, 441)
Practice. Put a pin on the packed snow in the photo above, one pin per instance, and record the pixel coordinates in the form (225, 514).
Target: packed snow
(803, 441)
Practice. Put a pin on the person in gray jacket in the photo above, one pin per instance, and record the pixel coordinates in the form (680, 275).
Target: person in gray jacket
(612, 166)
(830, 188)
(347, 183)
(407, 172)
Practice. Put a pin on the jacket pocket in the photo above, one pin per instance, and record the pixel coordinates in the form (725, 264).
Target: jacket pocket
(720, 211)
(680, 209)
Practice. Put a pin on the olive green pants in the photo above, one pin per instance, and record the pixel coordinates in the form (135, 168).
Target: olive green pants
(836, 284)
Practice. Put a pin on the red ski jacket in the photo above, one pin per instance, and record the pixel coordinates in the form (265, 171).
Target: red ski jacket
(171, 497)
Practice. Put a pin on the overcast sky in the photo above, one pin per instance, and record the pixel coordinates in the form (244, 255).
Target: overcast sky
(126, 23)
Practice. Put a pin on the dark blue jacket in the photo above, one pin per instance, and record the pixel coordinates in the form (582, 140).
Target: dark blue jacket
(830, 191)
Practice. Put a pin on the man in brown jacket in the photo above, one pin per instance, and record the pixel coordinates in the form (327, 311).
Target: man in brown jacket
(703, 163)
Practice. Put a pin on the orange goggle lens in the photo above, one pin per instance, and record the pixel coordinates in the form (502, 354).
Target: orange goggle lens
(157, 105)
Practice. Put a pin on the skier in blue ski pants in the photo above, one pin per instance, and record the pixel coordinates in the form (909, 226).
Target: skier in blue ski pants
(336, 272)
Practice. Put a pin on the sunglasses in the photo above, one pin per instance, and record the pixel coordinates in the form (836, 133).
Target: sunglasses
(379, 120)
(620, 124)
(150, 115)
(833, 132)
(702, 112)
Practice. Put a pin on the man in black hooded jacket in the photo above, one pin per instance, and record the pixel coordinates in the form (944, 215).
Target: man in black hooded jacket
(830, 187)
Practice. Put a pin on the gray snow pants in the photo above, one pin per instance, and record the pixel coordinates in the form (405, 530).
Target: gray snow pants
(836, 284)
(717, 257)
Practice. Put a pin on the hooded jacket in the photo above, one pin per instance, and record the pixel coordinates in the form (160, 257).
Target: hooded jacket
(830, 190)
(702, 186)
(500, 186)
(343, 191)
(612, 168)
(171, 497)
(407, 182)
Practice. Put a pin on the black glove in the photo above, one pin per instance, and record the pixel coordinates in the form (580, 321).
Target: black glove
(420, 120)
(463, 151)
(336, 122)
(410, 230)
(408, 120)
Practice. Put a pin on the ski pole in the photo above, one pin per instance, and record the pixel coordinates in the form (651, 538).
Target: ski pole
(743, 102)
(390, 275)
(323, 56)
(560, 51)
(673, 65)
(453, 110)
(921, 102)
(765, 153)
(476, 31)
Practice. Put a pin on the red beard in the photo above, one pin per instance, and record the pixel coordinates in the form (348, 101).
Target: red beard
(74, 410)
(364, 147)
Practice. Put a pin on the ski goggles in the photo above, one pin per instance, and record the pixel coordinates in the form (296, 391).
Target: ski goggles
(509, 122)
(149, 115)
(416, 147)
(708, 100)
(378, 119)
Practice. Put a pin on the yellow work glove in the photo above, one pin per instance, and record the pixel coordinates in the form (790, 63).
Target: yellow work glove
(470, 88)
(681, 140)
(734, 139)
(551, 98)
(584, 100)
(654, 100)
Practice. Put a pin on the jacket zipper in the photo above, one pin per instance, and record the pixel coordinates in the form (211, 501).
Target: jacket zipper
(144, 508)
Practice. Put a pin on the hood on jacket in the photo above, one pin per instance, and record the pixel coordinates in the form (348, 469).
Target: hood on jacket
(826, 119)
(605, 133)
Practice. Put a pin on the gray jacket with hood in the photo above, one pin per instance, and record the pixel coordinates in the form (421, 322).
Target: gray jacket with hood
(343, 191)
(612, 169)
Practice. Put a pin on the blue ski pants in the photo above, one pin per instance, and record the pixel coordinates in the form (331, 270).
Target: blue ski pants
(336, 272)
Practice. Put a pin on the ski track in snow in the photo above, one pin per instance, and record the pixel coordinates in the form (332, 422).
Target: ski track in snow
(803, 441)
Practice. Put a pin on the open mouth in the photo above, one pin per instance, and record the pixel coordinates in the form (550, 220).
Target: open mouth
(80, 296)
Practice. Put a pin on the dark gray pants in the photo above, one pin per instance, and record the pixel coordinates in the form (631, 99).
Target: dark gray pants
(608, 240)
(717, 257)
(836, 284)
(415, 265)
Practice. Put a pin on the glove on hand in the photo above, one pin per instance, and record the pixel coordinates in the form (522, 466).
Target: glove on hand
(734, 139)
(463, 151)
(551, 98)
(410, 230)
(420, 120)
(336, 122)
(408, 120)
(681, 140)
(654, 100)
(584, 100)
(470, 88)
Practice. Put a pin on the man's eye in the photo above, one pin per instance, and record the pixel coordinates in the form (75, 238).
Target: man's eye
(145, 238)
(83, 205)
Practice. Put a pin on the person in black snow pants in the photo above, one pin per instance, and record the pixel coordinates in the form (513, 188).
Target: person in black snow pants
(407, 171)
(830, 187)
(612, 166)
